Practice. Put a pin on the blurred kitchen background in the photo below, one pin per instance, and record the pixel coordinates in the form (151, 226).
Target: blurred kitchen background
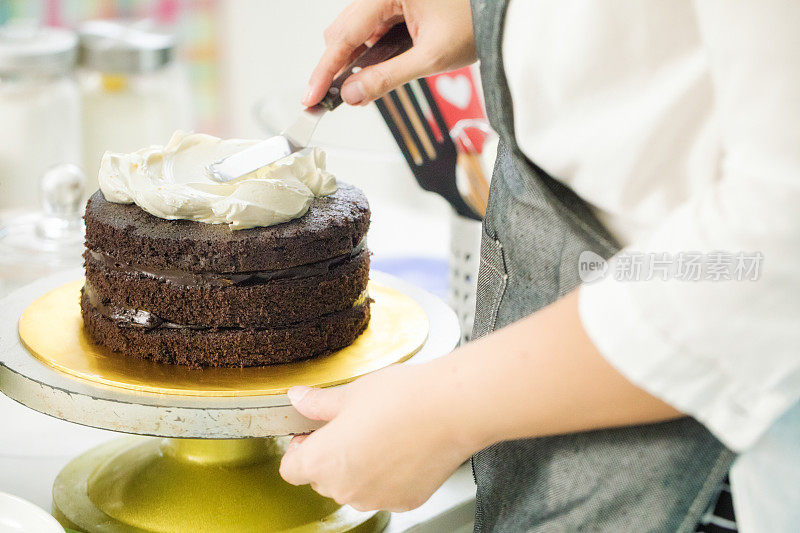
(231, 68)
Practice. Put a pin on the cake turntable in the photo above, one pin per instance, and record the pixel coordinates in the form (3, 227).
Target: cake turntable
(214, 465)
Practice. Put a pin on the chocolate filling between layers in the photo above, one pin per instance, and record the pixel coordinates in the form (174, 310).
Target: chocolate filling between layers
(223, 279)
(140, 319)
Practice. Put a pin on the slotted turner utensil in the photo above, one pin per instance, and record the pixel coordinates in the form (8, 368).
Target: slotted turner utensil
(420, 131)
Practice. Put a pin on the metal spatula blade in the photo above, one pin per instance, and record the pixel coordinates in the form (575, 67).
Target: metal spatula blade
(265, 153)
(297, 136)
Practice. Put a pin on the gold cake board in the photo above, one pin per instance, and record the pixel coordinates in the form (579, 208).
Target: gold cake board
(142, 484)
(52, 330)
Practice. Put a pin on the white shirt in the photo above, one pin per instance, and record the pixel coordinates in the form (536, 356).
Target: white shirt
(679, 122)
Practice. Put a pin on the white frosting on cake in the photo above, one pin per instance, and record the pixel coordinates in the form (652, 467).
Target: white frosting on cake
(172, 182)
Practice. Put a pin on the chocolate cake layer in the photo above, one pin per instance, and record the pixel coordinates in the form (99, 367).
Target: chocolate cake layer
(254, 303)
(332, 226)
(229, 346)
(131, 317)
(221, 279)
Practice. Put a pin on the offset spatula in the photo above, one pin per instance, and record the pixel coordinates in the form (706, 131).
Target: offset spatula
(297, 136)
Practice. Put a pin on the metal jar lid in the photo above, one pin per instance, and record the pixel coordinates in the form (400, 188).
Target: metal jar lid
(28, 49)
(124, 48)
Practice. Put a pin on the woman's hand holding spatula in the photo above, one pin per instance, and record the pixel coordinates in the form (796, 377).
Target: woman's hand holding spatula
(443, 40)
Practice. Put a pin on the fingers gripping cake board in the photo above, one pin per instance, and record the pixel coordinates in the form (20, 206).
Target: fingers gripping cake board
(269, 268)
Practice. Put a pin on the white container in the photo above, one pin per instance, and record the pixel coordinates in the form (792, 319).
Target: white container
(21, 516)
(135, 93)
(39, 109)
(463, 264)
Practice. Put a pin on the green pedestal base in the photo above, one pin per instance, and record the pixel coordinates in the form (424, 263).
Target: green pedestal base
(180, 485)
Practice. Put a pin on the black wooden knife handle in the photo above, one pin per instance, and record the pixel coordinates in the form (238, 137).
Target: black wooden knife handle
(396, 41)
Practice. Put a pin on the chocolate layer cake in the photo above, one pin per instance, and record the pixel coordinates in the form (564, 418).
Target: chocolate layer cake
(189, 293)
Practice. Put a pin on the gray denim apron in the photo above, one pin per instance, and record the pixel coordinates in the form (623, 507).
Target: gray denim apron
(657, 477)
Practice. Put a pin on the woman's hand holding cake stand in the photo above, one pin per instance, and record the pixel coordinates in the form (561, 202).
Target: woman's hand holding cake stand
(393, 437)
(385, 446)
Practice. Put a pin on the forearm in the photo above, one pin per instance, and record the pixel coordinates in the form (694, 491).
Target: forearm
(540, 376)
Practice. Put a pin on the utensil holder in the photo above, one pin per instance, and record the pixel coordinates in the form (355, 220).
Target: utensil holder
(463, 262)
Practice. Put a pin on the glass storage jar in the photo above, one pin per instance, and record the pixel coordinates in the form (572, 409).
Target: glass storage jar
(135, 91)
(39, 109)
